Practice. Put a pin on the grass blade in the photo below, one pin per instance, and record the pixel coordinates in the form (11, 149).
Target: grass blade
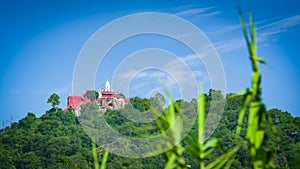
(104, 160)
(95, 157)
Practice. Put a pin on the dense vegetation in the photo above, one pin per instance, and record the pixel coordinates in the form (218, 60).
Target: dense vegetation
(57, 140)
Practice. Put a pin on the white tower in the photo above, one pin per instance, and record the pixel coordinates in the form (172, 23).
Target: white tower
(107, 86)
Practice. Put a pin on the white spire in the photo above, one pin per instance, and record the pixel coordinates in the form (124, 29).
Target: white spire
(107, 86)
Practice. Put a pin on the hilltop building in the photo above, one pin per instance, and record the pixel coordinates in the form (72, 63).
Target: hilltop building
(108, 99)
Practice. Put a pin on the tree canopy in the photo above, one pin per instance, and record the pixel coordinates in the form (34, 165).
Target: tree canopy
(57, 140)
(92, 94)
(54, 100)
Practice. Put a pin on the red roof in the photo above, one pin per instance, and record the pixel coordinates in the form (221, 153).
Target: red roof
(74, 101)
(109, 92)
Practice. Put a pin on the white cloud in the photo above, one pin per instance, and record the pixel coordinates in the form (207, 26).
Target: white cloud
(176, 75)
(146, 74)
(191, 59)
(281, 25)
(211, 13)
(128, 74)
(194, 11)
(203, 12)
(198, 73)
(277, 27)
(266, 31)
(226, 28)
(230, 45)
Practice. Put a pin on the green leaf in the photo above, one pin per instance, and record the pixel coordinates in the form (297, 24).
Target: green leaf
(210, 144)
(201, 118)
(261, 60)
(104, 159)
(245, 102)
(240, 93)
(95, 157)
(221, 161)
(244, 29)
(171, 162)
(259, 137)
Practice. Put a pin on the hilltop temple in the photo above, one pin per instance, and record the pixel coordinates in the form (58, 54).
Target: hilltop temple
(108, 99)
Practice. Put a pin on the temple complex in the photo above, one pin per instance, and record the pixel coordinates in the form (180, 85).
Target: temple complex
(108, 99)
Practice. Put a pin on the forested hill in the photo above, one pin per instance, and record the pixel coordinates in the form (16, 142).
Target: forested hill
(57, 140)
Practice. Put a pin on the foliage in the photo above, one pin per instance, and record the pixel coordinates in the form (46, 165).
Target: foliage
(92, 94)
(56, 140)
(54, 100)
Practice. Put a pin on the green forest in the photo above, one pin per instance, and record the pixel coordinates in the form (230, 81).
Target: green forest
(57, 140)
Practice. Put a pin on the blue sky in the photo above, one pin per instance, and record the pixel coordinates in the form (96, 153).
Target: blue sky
(40, 43)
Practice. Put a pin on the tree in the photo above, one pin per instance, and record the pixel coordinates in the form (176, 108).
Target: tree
(158, 101)
(92, 94)
(28, 121)
(54, 100)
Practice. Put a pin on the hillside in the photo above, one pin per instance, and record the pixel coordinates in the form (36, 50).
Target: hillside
(57, 140)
